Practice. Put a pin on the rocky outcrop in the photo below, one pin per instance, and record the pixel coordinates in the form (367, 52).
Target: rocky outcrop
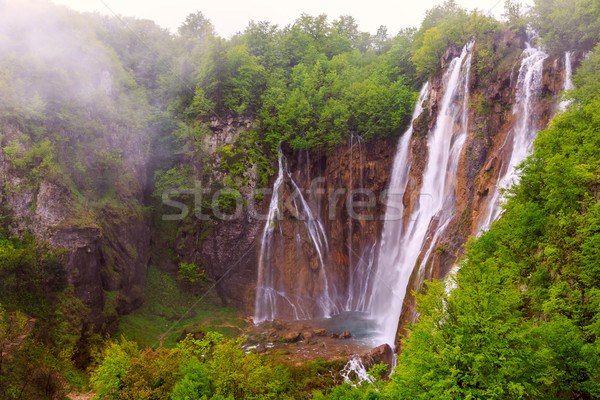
(380, 354)
(224, 247)
(344, 189)
(104, 248)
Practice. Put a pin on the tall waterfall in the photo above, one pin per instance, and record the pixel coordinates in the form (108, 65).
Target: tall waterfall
(562, 106)
(360, 265)
(272, 293)
(519, 141)
(401, 245)
(266, 288)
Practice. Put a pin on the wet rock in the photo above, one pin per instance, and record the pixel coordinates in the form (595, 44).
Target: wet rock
(334, 335)
(321, 332)
(345, 335)
(353, 165)
(450, 53)
(380, 354)
(307, 335)
(261, 348)
(278, 325)
(292, 337)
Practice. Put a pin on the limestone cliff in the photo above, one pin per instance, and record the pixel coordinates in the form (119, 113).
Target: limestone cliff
(106, 244)
(229, 250)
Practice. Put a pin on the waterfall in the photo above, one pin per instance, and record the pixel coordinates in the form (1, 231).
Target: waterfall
(562, 106)
(359, 277)
(354, 372)
(401, 245)
(446, 213)
(520, 139)
(318, 238)
(266, 291)
(271, 291)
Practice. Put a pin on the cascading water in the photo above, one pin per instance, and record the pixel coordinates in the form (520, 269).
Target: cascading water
(355, 372)
(266, 288)
(401, 245)
(359, 265)
(271, 291)
(318, 238)
(361, 276)
(562, 106)
(520, 139)
(394, 213)
(446, 212)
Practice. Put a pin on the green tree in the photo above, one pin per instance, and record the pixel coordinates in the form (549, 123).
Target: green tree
(108, 379)
(567, 25)
(196, 26)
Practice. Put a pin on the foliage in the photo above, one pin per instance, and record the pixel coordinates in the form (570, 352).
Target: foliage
(30, 276)
(12, 325)
(567, 25)
(211, 368)
(169, 312)
(191, 273)
(107, 379)
(33, 283)
(587, 79)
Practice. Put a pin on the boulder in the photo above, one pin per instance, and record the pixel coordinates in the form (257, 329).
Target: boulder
(345, 335)
(292, 337)
(380, 354)
(307, 335)
(261, 348)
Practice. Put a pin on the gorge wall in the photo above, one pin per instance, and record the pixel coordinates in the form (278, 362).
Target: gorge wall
(230, 250)
(104, 244)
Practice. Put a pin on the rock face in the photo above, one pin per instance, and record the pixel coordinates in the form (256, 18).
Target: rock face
(380, 354)
(292, 337)
(322, 248)
(229, 250)
(106, 249)
(225, 248)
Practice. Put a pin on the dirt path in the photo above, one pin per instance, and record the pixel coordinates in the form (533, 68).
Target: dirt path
(81, 396)
(17, 342)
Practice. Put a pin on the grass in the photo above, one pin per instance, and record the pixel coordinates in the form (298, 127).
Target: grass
(167, 311)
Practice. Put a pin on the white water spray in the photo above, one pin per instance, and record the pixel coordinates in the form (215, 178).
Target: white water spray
(355, 367)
